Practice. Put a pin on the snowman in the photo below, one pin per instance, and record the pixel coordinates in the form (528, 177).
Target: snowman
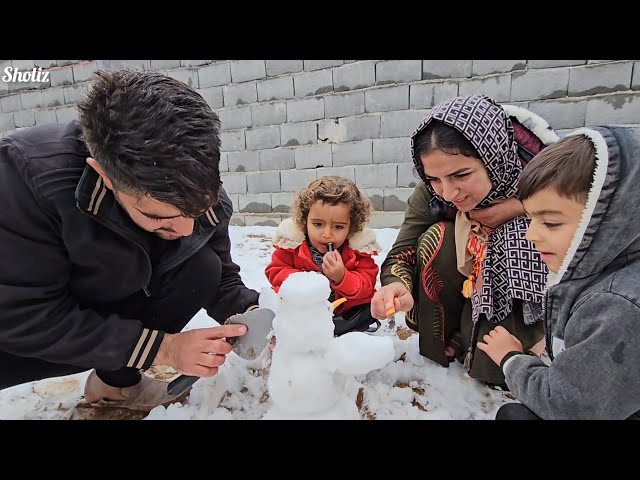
(310, 371)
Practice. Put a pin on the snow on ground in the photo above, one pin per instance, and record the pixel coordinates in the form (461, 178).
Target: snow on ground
(411, 387)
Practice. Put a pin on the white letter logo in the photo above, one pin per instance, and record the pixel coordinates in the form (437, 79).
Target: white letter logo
(7, 74)
(15, 75)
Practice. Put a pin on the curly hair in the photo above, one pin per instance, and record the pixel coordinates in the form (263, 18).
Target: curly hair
(332, 190)
(154, 135)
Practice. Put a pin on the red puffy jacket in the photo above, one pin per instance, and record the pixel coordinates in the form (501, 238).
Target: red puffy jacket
(292, 255)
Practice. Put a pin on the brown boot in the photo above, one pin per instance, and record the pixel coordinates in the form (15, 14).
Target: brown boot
(144, 396)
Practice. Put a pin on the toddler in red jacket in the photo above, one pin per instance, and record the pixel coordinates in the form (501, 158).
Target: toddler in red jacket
(326, 233)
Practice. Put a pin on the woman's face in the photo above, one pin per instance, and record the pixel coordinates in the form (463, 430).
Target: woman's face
(458, 179)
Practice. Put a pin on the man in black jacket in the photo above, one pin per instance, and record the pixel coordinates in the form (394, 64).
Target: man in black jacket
(114, 234)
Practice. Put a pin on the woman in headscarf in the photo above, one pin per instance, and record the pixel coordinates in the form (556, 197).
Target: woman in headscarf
(461, 264)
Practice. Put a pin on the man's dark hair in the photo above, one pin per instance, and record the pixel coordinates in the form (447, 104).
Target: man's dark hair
(440, 136)
(565, 166)
(154, 135)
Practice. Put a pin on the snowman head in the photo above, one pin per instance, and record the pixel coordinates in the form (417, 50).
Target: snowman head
(305, 289)
(304, 317)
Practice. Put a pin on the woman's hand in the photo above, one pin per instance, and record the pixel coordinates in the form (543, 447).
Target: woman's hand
(498, 213)
(393, 296)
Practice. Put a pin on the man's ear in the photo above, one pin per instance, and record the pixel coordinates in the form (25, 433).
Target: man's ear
(96, 166)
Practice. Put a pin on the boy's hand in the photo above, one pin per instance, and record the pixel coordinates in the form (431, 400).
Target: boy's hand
(539, 348)
(333, 267)
(499, 342)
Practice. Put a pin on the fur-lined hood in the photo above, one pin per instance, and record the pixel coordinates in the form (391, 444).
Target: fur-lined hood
(290, 236)
(533, 122)
(609, 229)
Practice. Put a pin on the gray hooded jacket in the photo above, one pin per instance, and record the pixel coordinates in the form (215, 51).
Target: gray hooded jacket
(592, 304)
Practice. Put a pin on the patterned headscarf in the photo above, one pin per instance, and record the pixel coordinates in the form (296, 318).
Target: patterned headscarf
(512, 267)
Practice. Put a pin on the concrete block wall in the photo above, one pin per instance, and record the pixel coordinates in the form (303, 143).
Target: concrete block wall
(286, 122)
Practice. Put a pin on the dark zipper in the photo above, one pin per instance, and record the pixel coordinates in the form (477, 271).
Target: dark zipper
(116, 230)
(528, 152)
(547, 331)
(145, 289)
(165, 267)
(181, 258)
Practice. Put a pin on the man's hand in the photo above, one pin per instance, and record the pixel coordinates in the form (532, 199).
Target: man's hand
(393, 296)
(500, 212)
(333, 267)
(198, 352)
(499, 342)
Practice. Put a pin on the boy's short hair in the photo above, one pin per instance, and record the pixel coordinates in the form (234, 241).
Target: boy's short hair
(332, 190)
(565, 166)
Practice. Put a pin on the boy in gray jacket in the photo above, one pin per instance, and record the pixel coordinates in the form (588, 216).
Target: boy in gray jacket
(581, 195)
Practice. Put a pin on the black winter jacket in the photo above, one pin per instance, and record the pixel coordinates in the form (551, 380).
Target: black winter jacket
(67, 249)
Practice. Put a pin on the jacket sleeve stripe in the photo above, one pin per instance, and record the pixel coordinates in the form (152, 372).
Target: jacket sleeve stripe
(141, 342)
(147, 349)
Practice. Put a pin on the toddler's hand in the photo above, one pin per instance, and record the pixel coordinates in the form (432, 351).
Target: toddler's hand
(333, 267)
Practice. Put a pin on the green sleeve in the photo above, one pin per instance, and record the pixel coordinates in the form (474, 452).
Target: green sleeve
(399, 265)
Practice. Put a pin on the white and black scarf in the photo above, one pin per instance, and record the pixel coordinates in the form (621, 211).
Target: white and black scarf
(512, 267)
